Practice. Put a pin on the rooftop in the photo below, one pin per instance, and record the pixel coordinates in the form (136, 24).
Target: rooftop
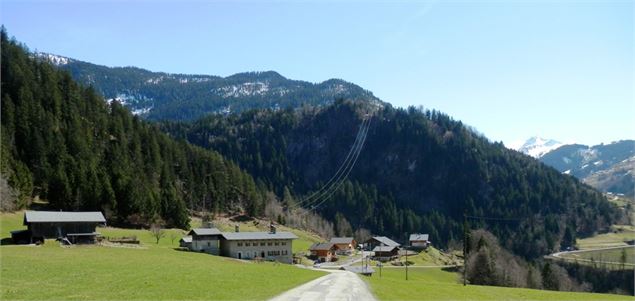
(258, 235)
(321, 246)
(204, 231)
(386, 241)
(63, 217)
(419, 237)
(342, 240)
(384, 248)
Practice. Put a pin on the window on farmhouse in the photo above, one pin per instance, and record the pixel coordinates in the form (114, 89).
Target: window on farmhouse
(247, 244)
(283, 243)
(269, 243)
(240, 244)
(277, 243)
(262, 243)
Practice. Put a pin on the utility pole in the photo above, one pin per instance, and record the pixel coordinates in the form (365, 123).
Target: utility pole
(464, 248)
(406, 248)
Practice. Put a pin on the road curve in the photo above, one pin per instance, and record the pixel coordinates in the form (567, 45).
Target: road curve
(337, 285)
(558, 255)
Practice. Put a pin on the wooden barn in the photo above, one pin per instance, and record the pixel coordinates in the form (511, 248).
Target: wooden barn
(77, 227)
(205, 240)
(378, 241)
(323, 252)
(385, 253)
(420, 241)
(344, 245)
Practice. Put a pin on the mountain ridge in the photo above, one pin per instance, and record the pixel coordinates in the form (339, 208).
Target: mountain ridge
(607, 167)
(178, 96)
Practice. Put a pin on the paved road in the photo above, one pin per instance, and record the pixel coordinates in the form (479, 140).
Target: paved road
(558, 255)
(337, 285)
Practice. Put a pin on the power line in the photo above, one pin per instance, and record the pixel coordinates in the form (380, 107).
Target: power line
(344, 169)
(341, 182)
(346, 160)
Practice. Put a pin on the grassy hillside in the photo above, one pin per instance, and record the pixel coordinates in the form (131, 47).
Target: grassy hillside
(605, 255)
(437, 284)
(432, 256)
(618, 236)
(302, 244)
(429, 257)
(149, 272)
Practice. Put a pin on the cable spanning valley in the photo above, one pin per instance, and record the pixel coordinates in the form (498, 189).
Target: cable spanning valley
(320, 196)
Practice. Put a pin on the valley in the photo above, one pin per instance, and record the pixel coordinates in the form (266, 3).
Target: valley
(121, 183)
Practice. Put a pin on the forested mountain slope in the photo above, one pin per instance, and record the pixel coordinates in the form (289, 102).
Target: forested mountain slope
(63, 143)
(419, 171)
(161, 96)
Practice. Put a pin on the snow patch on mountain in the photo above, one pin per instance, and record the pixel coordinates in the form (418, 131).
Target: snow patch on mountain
(244, 89)
(141, 111)
(56, 60)
(537, 147)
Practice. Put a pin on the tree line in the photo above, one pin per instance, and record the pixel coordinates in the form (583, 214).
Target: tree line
(62, 143)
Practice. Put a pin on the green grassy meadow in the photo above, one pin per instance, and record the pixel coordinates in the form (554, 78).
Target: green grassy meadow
(437, 284)
(149, 272)
(611, 255)
(432, 256)
(618, 236)
(429, 257)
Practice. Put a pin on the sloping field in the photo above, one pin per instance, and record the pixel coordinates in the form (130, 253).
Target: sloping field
(437, 284)
(149, 272)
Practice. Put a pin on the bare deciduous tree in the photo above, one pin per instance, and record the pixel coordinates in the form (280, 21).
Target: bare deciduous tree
(8, 195)
(157, 232)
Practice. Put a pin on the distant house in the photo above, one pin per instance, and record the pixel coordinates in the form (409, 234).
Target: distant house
(344, 245)
(324, 252)
(385, 253)
(186, 242)
(270, 245)
(76, 227)
(205, 240)
(419, 240)
(377, 241)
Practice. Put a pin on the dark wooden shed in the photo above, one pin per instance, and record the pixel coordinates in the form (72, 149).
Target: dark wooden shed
(75, 226)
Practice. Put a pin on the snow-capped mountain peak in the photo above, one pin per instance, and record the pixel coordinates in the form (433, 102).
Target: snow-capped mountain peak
(537, 146)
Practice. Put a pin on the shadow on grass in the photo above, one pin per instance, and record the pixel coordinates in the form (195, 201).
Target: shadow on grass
(241, 218)
(6, 241)
(451, 269)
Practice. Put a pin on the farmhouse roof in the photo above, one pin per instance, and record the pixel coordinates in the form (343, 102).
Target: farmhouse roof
(258, 235)
(323, 246)
(63, 217)
(342, 240)
(386, 241)
(204, 231)
(186, 239)
(419, 237)
(384, 248)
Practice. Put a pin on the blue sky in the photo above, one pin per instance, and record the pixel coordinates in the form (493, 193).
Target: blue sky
(511, 69)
